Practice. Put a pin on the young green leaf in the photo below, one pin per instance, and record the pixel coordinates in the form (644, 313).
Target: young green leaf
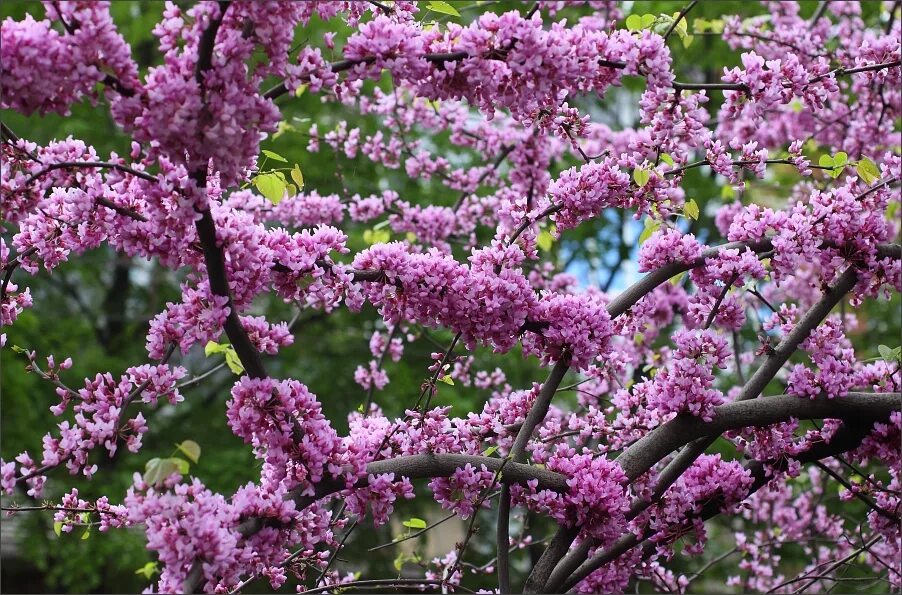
(190, 449)
(691, 209)
(633, 22)
(648, 20)
(840, 159)
(271, 186)
(825, 161)
(181, 465)
(213, 347)
(651, 226)
(443, 7)
(545, 240)
(641, 176)
(489, 451)
(58, 528)
(148, 570)
(275, 156)
(666, 158)
(234, 362)
(885, 352)
(297, 176)
(867, 170)
(447, 379)
(415, 523)
(376, 236)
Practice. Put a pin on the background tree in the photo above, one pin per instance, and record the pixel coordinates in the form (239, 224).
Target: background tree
(502, 176)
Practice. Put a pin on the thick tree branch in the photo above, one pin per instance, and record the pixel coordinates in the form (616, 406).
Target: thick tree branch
(847, 438)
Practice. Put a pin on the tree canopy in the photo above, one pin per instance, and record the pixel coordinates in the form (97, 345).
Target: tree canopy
(287, 289)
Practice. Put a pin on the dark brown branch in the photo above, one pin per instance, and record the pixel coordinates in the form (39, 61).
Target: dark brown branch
(847, 438)
(634, 459)
(89, 165)
(679, 18)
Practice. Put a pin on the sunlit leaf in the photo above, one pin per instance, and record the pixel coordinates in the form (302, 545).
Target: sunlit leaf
(297, 176)
(415, 523)
(691, 209)
(190, 449)
(545, 240)
(275, 156)
(867, 170)
(443, 7)
(271, 186)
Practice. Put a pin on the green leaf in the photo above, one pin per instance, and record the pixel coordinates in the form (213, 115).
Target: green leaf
(300, 90)
(234, 362)
(297, 176)
(275, 156)
(190, 449)
(489, 451)
(213, 347)
(825, 161)
(666, 158)
(415, 523)
(86, 534)
(545, 240)
(633, 22)
(156, 470)
(376, 236)
(885, 352)
(181, 465)
(840, 159)
(443, 7)
(283, 128)
(17, 349)
(727, 192)
(648, 20)
(58, 528)
(867, 170)
(691, 209)
(651, 226)
(677, 279)
(712, 25)
(271, 186)
(447, 379)
(148, 570)
(641, 176)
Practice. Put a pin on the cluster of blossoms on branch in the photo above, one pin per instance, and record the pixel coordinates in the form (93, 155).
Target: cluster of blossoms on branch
(659, 363)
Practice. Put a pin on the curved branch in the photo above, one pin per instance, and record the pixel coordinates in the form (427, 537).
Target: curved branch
(89, 165)
(847, 438)
(765, 411)
(765, 373)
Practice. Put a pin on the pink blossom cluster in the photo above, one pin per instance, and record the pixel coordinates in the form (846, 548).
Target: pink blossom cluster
(100, 420)
(686, 384)
(186, 522)
(510, 61)
(285, 424)
(668, 246)
(461, 492)
(107, 515)
(832, 354)
(577, 327)
(379, 496)
(710, 480)
(435, 290)
(45, 70)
